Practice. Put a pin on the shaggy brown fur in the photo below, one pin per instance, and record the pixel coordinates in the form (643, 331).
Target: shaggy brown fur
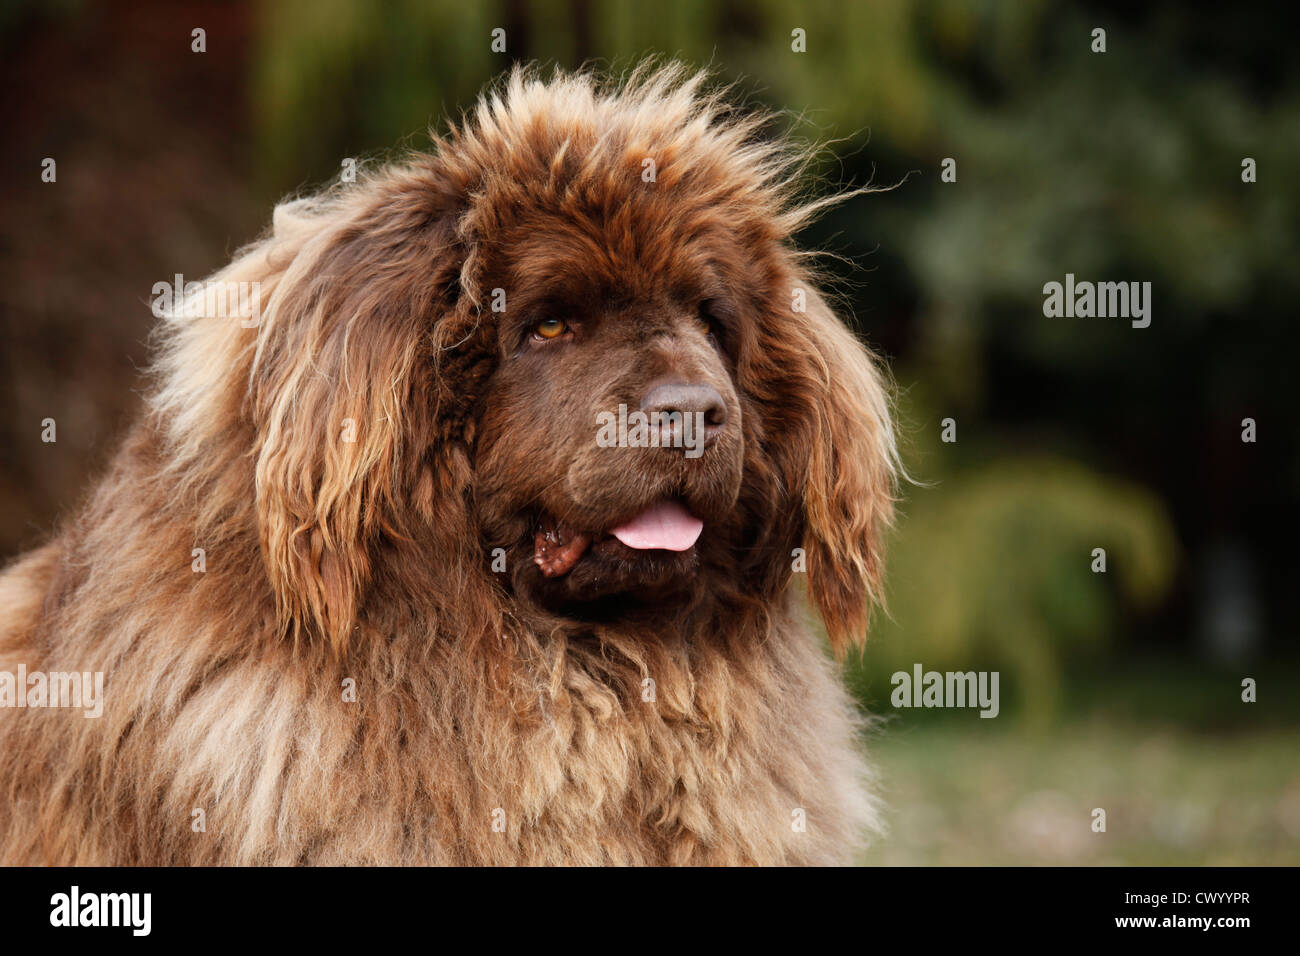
(643, 707)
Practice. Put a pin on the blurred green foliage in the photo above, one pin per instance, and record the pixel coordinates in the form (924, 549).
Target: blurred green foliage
(335, 78)
(1009, 549)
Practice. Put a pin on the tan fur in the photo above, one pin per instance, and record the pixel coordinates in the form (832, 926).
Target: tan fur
(329, 560)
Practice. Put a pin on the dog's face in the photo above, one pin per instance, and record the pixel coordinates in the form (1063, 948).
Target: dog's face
(610, 452)
(625, 384)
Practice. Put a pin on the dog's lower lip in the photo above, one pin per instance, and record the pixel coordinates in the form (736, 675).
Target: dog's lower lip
(556, 549)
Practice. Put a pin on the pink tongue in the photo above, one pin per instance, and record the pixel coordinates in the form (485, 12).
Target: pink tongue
(666, 526)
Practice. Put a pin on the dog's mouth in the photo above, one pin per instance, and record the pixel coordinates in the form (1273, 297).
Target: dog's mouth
(664, 526)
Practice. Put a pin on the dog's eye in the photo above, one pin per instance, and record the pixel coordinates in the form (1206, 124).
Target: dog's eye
(703, 319)
(550, 329)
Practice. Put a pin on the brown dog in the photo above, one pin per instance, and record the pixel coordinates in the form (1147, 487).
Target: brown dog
(386, 575)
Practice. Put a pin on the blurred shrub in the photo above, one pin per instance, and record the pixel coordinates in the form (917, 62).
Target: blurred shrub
(991, 571)
(344, 78)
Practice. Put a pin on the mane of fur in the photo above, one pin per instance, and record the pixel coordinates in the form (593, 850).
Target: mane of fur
(481, 732)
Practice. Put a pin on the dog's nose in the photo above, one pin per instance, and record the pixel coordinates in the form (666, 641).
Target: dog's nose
(683, 401)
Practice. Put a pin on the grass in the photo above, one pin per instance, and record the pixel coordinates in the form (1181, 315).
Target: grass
(1177, 787)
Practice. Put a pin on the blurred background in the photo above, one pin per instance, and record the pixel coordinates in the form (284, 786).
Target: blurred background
(1120, 690)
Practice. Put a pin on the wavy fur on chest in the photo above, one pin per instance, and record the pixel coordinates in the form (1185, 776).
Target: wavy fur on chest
(469, 747)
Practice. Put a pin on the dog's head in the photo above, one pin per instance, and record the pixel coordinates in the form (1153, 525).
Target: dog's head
(573, 352)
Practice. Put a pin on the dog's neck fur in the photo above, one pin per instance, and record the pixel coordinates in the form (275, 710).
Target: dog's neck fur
(504, 744)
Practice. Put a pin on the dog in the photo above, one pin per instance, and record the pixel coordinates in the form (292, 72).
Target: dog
(489, 538)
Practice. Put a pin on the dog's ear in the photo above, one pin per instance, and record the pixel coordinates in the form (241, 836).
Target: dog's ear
(344, 346)
(847, 465)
